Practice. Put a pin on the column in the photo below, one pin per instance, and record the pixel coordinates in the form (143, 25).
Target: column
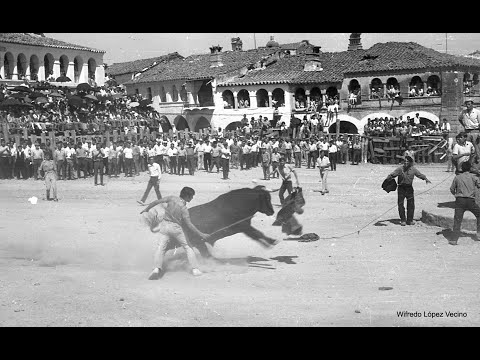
(71, 70)
(169, 97)
(253, 99)
(269, 99)
(100, 75)
(384, 90)
(191, 99)
(56, 69)
(235, 99)
(84, 74)
(179, 92)
(15, 69)
(307, 94)
(2, 67)
(41, 70)
(424, 88)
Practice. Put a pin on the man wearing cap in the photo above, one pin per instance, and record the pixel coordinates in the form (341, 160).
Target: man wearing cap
(470, 120)
(406, 174)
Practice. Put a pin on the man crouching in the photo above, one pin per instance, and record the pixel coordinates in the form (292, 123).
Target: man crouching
(170, 227)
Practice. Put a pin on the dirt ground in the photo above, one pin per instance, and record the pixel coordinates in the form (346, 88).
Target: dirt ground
(84, 261)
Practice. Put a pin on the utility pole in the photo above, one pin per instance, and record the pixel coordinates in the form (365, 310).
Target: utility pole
(254, 41)
(446, 42)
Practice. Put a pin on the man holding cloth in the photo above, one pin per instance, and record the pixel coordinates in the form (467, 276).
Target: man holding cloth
(405, 174)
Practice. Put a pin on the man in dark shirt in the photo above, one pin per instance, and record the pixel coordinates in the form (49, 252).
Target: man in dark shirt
(170, 228)
(405, 174)
(464, 188)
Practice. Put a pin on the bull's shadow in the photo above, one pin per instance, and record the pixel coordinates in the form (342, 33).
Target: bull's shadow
(449, 235)
(254, 261)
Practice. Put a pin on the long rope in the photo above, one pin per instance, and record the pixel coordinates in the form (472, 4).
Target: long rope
(378, 217)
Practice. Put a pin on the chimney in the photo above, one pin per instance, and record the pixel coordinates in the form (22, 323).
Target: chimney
(312, 62)
(355, 42)
(237, 44)
(216, 56)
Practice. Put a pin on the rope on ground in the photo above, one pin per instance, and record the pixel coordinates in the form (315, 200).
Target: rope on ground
(378, 217)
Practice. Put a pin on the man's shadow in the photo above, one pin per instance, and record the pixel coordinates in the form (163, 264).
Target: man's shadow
(254, 261)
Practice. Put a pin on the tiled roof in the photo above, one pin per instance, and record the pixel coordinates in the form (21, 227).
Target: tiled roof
(139, 65)
(407, 56)
(290, 70)
(37, 40)
(196, 67)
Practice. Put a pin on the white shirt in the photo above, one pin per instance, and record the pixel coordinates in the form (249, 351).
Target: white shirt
(172, 152)
(207, 148)
(332, 148)
(69, 152)
(323, 163)
(155, 170)
(151, 152)
(465, 150)
(128, 152)
(226, 153)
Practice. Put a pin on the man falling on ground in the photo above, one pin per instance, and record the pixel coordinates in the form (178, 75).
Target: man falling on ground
(285, 171)
(170, 228)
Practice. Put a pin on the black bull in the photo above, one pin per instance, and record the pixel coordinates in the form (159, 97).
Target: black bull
(229, 214)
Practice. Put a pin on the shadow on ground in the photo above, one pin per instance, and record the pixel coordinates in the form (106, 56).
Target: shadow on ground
(447, 204)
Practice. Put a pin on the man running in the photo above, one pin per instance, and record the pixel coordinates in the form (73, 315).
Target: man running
(155, 175)
(170, 228)
(285, 171)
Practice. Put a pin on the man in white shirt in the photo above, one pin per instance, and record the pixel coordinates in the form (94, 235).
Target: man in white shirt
(225, 158)
(128, 156)
(200, 151)
(69, 154)
(470, 120)
(172, 154)
(463, 151)
(154, 181)
(323, 163)
(207, 156)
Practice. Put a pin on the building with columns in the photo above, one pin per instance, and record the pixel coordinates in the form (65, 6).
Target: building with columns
(34, 57)
(219, 88)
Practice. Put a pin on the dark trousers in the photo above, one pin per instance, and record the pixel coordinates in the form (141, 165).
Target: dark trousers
(181, 165)
(4, 168)
(153, 182)
(333, 161)
(20, 169)
(81, 166)
(173, 164)
(207, 161)
(112, 167)
(89, 166)
(266, 171)
(356, 156)
(128, 167)
(406, 192)
(36, 165)
(70, 170)
(215, 162)
(225, 167)
(286, 186)
(136, 162)
(191, 164)
(312, 159)
(298, 159)
(242, 157)
(61, 169)
(98, 166)
(288, 156)
(121, 164)
(461, 205)
(274, 166)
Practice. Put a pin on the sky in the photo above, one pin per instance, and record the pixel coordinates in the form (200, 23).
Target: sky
(122, 47)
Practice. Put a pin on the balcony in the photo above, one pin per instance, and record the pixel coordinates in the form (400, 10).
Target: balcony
(408, 102)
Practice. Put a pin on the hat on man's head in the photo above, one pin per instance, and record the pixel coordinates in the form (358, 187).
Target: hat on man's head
(409, 158)
(468, 100)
